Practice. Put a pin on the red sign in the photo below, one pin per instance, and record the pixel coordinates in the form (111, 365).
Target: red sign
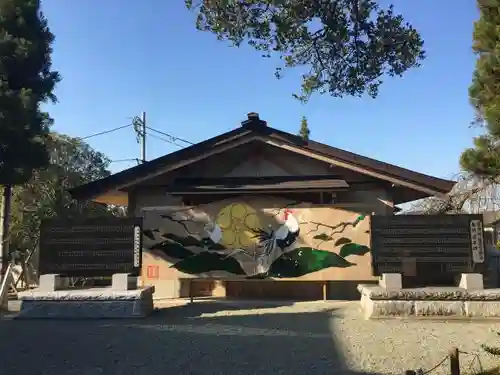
(153, 272)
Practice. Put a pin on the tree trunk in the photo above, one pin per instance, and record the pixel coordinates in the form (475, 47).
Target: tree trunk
(4, 227)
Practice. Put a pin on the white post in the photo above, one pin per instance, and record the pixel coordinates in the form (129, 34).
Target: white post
(471, 281)
(391, 281)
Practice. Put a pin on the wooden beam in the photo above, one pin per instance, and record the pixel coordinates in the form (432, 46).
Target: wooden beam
(354, 168)
(250, 191)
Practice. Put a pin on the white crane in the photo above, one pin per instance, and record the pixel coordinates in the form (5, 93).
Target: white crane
(214, 232)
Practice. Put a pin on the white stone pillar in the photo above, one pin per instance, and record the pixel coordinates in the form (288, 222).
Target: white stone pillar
(471, 281)
(122, 281)
(49, 283)
(391, 281)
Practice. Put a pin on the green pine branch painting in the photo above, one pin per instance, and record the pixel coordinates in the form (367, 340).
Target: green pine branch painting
(292, 262)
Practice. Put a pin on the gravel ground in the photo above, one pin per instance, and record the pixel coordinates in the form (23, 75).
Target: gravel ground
(245, 338)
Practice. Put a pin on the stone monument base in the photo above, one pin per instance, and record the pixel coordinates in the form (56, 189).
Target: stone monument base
(122, 300)
(95, 303)
(469, 300)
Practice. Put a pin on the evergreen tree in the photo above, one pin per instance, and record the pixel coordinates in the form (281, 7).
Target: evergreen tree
(304, 131)
(483, 159)
(27, 82)
(347, 46)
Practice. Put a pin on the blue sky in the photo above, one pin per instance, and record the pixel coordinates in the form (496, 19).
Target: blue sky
(119, 58)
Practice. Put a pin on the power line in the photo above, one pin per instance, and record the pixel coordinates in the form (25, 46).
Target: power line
(170, 136)
(165, 140)
(104, 132)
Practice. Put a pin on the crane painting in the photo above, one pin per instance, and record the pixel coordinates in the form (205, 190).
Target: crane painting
(242, 240)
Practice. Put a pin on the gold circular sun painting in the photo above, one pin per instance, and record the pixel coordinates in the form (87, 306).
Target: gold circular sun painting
(238, 222)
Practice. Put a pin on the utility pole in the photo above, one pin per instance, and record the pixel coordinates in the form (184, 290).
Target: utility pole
(139, 124)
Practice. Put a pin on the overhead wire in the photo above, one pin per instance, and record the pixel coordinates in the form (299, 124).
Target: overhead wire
(104, 132)
(173, 138)
(165, 140)
(107, 132)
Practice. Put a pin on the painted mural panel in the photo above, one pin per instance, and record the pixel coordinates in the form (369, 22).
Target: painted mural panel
(253, 237)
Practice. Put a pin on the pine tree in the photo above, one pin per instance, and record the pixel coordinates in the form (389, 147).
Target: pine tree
(483, 159)
(304, 131)
(27, 82)
(346, 46)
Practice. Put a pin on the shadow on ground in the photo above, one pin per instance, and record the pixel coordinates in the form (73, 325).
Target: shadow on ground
(198, 338)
